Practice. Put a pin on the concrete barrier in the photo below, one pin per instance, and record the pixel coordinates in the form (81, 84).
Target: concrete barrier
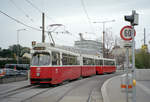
(143, 74)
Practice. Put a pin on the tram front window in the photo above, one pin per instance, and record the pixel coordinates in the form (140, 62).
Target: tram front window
(41, 59)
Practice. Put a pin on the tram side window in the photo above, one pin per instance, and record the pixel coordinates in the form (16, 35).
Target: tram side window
(72, 60)
(84, 61)
(109, 62)
(112, 63)
(69, 59)
(55, 58)
(106, 62)
(88, 61)
(96, 62)
(92, 62)
(99, 62)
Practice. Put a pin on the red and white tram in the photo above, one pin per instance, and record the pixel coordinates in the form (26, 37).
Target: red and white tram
(54, 65)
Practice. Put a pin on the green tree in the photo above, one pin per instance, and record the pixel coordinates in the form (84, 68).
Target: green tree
(6, 53)
(16, 49)
(142, 59)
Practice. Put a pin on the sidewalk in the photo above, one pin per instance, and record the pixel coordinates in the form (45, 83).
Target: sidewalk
(13, 86)
(112, 92)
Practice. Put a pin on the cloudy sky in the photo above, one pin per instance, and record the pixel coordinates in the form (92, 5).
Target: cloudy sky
(76, 15)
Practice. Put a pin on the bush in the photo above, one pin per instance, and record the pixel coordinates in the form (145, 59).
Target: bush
(142, 60)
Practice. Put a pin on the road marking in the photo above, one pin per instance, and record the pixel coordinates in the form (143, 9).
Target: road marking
(144, 88)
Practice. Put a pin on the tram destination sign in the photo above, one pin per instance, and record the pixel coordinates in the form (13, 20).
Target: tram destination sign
(126, 33)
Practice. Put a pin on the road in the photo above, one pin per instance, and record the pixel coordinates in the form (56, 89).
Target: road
(113, 86)
(143, 91)
(85, 90)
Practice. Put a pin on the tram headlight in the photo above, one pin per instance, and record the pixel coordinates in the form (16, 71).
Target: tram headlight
(37, 74)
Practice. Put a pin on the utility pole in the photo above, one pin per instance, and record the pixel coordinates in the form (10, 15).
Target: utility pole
(103, 22)
(103, 39)
(144, 46)
(43, 27)
(144, 36)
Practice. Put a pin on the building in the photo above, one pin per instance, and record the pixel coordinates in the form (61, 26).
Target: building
(89, 47)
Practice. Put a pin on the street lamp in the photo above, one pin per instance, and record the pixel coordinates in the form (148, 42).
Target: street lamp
(18, 30)
(103, 22)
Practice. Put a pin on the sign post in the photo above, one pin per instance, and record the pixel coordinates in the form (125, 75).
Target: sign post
(126, 34)
(134, 20)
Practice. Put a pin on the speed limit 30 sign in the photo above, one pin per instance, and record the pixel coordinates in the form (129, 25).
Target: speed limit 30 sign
(126, 33)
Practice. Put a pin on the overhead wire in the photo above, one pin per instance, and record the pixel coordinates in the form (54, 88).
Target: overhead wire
(21, 10)
(14, 19)
(87, 15)
(24, 24)
(58, 38)
(35, 7)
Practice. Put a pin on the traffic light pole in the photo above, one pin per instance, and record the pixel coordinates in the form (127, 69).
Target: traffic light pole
(133, 69)
(127, 74)
(133, 19)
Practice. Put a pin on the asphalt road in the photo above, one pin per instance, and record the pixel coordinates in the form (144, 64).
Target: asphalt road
(84, 90)
(143, 91)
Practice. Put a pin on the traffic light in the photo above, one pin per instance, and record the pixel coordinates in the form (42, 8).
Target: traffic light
(133, 19)
(129, 18)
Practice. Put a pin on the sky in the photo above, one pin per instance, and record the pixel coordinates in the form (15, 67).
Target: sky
(77, 16)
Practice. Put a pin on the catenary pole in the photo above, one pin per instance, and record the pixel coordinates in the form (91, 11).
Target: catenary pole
(43, 27)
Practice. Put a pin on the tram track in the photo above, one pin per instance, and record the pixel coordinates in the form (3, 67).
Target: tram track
(32, 93)
(16, 91)
(90, 95)
(36, 95)
(75, 87)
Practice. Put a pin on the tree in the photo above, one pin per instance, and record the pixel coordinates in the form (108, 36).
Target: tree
(16, 49)
(142, 59)
(6, 53)
(109, 42)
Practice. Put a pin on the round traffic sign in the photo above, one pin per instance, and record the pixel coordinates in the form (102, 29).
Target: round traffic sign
(126, 33)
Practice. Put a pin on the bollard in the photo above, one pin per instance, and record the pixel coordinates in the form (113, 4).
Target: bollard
(124, 82)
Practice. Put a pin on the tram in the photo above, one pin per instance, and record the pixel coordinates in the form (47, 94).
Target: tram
(53, 65)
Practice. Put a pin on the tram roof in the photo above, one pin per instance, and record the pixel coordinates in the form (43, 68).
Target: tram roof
(68, 50)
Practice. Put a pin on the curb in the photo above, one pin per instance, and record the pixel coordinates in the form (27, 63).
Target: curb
(104, 90)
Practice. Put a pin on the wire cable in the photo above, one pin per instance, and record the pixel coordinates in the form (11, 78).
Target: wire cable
(21, 10)
(14, 19)
(34, 6)
(86, 13)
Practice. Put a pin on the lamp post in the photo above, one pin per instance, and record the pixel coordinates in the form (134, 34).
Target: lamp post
(18, 30)
(104, 22)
